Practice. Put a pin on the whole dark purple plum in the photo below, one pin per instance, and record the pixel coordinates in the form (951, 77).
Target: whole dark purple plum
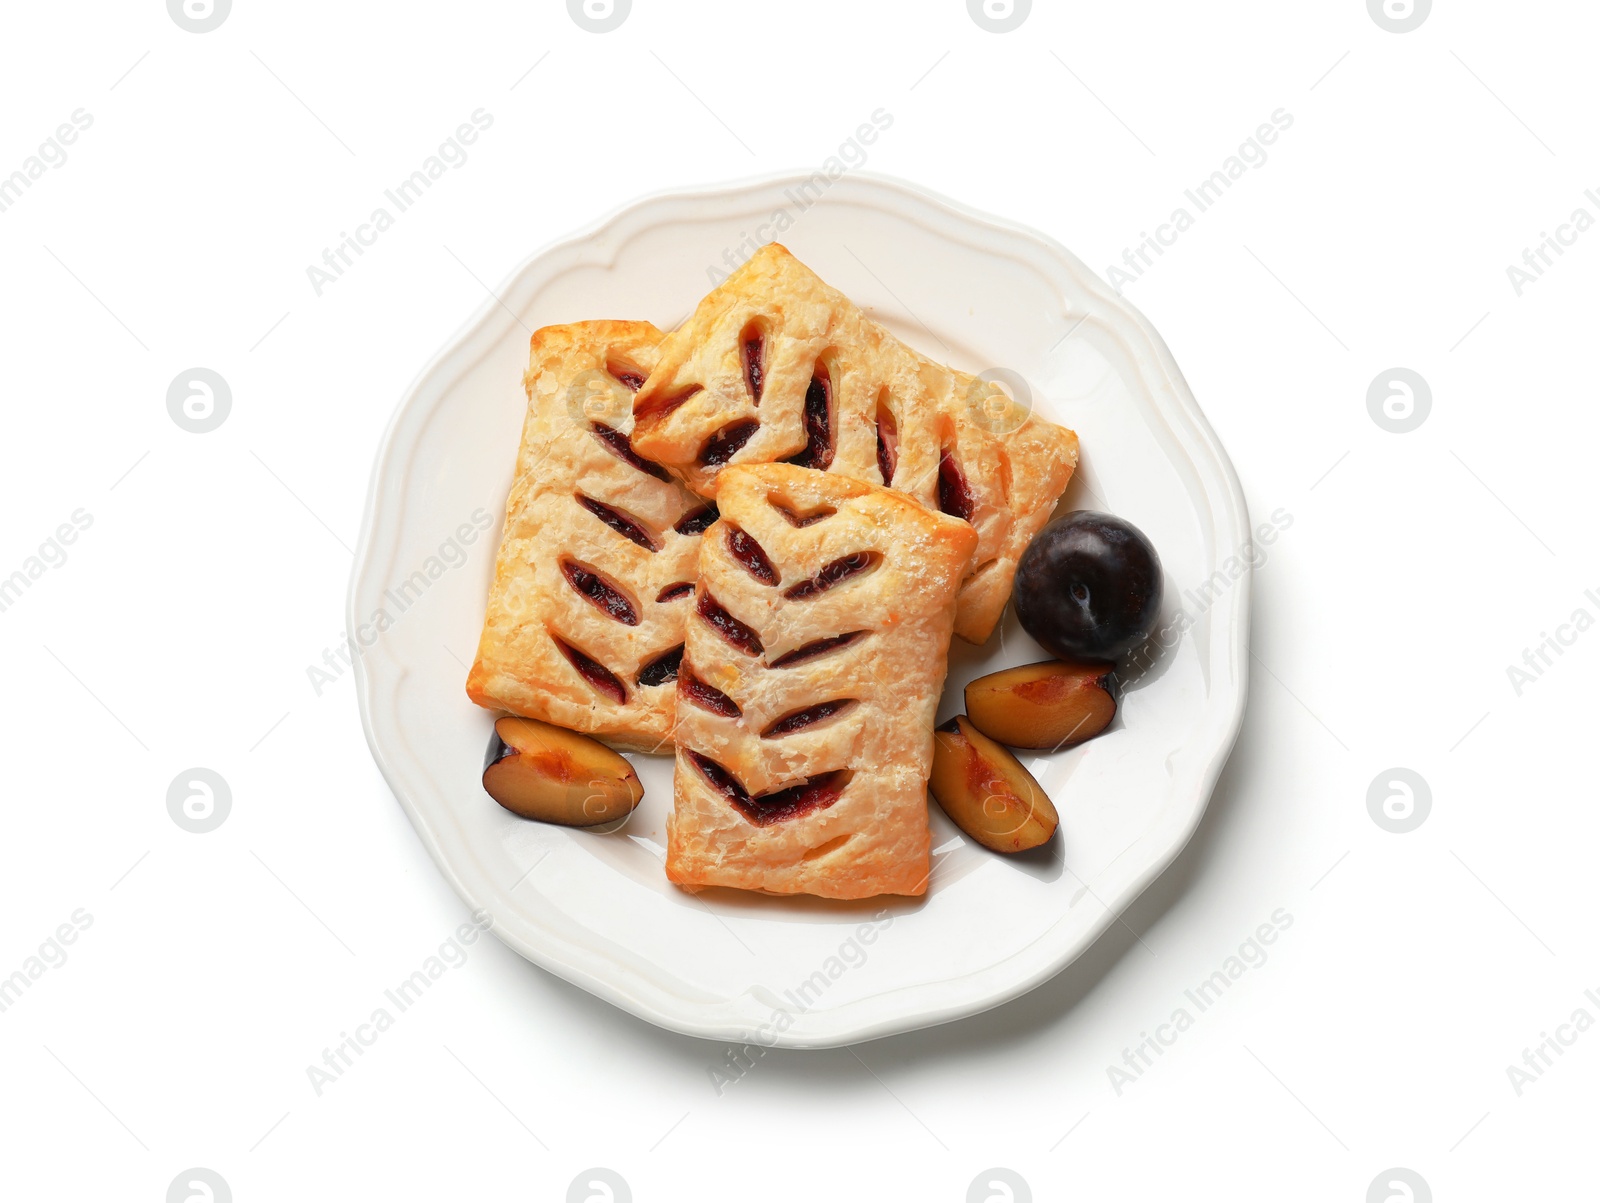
(1089, 587)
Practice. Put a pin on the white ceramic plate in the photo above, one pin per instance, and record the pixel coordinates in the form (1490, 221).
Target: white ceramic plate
(596, 909)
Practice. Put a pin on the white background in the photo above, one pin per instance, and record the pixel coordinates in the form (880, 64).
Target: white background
(179, 630)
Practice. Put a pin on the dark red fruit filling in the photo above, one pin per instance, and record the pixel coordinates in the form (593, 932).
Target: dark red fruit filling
(657, 406)
(888, 443)
(619, 522)
(753, 349)
(831, 574)
(815, 793)
(819, 423)
(795, 519)
(663, 668)
(630, 377)
(817, 647)
(601, 593)
(674, 592)
(619, 445)
(955, 498)
(729, 627)
(722, 446)
(748, 552)
(707, 697)
(697, 520)
(597, 674)
(801, 719)
(721, 780)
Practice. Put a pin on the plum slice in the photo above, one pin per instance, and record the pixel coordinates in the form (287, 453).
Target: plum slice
(558, 776)
(1051, 705)
(986, 791)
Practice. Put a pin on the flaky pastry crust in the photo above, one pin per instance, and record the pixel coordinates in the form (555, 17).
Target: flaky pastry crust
(955, 442)
(813, 666)
(588, 548)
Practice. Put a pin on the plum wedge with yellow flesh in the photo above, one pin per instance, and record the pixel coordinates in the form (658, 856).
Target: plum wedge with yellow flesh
(986, 791)
(557, 776)
(1050, 705)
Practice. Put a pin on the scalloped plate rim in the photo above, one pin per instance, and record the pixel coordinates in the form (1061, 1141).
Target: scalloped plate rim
(963, 996)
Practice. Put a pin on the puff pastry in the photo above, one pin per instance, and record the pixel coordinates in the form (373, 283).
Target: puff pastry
(596, 568)
(774, 365)
(813, 665)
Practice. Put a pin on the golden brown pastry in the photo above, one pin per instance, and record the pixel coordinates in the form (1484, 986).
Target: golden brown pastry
(596, 568)
(774, 365)
(813, 665)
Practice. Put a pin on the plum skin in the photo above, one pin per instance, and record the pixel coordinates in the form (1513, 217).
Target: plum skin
(1089, 587)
